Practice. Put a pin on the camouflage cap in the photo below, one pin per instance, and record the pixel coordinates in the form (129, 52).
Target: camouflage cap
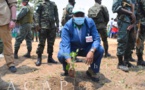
(25, 0)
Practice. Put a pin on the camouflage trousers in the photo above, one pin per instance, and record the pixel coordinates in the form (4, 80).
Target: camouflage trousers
(49, 35)
(103, 34)
(34, 34)
(1, 46)
(24, 33)
(125, 39)
(142, 38)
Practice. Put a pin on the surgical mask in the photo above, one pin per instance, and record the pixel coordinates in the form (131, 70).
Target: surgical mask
(79, 20)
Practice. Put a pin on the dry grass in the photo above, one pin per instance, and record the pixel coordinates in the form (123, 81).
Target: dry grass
(48, 75)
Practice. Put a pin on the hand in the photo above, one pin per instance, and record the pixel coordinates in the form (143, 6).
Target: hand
(130, 27)
(38, 28)
(57, 29)
(12, 24)
(133, 18)
(90, 57)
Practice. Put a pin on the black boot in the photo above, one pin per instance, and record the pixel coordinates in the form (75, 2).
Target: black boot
(27, 55)
(131, 59)
(121, 64)
(106, 53)
(126, 61)
(50, 59)
(140, 60)
(39, 60)
(16, 54)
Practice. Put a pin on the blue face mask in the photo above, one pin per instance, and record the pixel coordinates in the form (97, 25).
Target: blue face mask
(79, 20)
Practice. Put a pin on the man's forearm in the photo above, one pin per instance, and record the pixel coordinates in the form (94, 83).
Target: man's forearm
(13, 12)
(132, 7)
(126, 11)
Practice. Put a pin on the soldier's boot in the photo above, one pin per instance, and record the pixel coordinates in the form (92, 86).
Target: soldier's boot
(39, 60)
(27, 55)
(121, 64)
(127, 63)
(50, 59)
(3, 85)
(16, 54)
(131, 59)
(140, 60)
(106, 53)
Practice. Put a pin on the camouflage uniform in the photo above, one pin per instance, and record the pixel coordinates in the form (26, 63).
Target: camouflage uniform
(1, 46)
(36, 3)
(132, 38)
(25, 19)
(140, 4)
(47, 16)
(34, 29)
(125, 40)
(99, 14)
(67, 13)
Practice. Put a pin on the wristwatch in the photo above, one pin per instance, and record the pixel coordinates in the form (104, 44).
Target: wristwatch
(92, 50)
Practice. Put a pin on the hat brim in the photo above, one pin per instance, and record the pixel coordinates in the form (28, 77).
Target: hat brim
(78, 12)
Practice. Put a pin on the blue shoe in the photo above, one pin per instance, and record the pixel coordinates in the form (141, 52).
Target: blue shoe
(13, 69)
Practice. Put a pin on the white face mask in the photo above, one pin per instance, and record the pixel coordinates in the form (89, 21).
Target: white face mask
(79, 20)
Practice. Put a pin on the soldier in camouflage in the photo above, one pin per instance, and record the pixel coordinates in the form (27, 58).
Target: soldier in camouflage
(34, 29)
(99, 14)
(132, 38)
(67, 12)
(140, 4)
(126, 22)
(25, 19)
(47, 17)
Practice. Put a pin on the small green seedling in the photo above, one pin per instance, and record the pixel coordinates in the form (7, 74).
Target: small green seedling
(71, 67)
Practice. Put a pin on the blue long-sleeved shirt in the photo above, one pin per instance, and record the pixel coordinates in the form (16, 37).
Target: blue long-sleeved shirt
(70, 38)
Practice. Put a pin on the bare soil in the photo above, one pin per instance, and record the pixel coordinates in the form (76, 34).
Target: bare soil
(31, 77)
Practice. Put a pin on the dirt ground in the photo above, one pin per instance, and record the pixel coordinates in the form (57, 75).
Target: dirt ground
(31, 77)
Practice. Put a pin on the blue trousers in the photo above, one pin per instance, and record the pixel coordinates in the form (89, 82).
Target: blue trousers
(95, 66)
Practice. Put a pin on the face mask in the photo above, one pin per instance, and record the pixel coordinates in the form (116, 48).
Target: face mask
(79, 20)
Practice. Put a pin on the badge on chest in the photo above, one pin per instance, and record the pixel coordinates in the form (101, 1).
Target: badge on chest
(89, 39)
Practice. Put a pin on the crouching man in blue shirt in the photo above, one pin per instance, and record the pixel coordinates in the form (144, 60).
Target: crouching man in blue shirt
(80, 33)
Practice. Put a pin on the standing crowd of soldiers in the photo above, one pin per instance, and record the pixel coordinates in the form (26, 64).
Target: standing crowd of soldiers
(130, 19)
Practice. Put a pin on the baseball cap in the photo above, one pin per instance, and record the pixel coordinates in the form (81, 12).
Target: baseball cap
(78, 9)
